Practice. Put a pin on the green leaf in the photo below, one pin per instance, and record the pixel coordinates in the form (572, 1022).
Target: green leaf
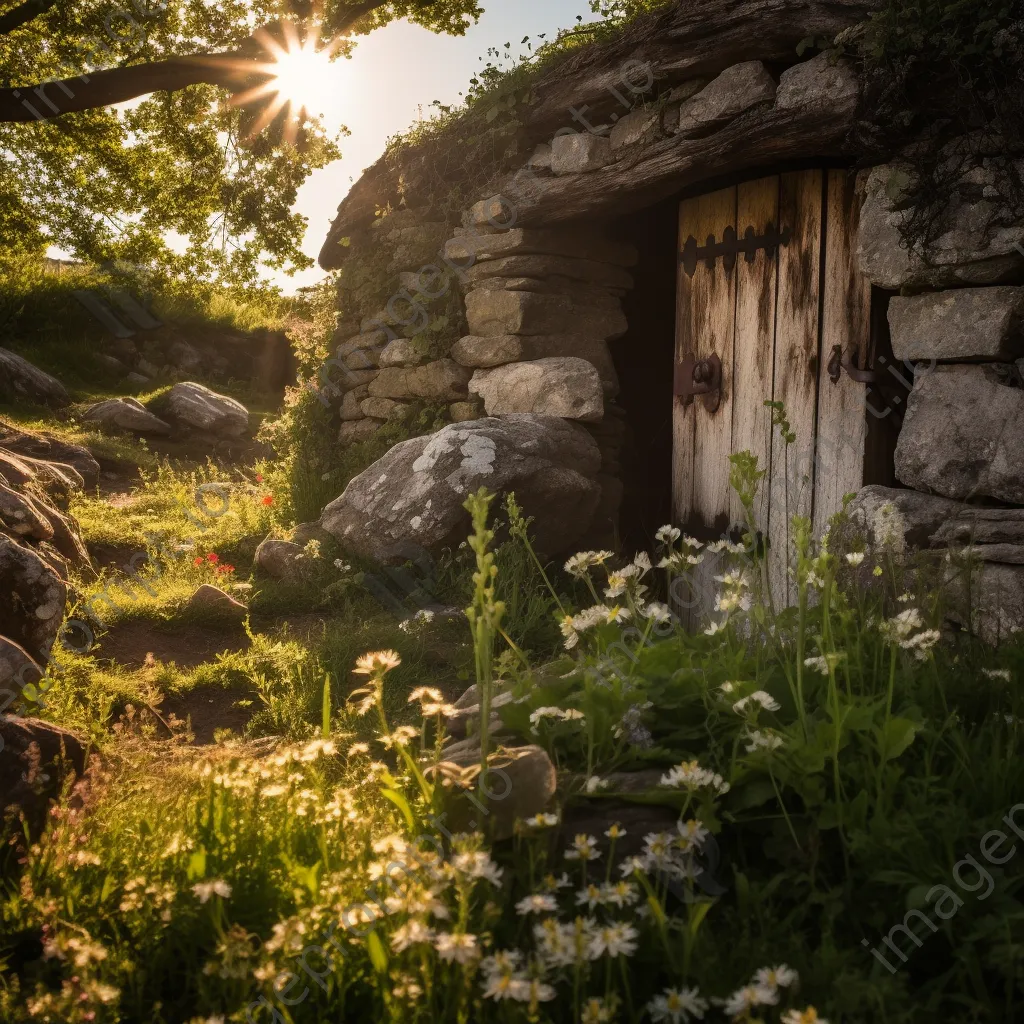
(196, 865)
(402, 804)
(325, 721)
(899, 734)
(378, 954)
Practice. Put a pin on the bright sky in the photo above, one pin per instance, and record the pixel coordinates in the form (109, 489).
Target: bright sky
(394, 72)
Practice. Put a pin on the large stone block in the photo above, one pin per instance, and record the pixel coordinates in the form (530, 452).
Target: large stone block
(470, 247)
(483, 353)
(566, 387)
(491, 312)
(963, 436)
(963, 323)
(928, 521)
(605, 275)
(637, 126)
(442, 380)
(194, 405)
(976, 246)
(821, 83)
(579, 152)
(735, 90)
(411, 500)
(125, 414)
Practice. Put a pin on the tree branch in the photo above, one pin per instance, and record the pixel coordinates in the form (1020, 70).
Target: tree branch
(23, 14)
(234, 70)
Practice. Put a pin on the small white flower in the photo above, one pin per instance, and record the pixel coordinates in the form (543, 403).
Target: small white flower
(997, 673)
(781, 976)
(542, 820)
(668, 534)
(410, 934)
(594, 784)
(460, 949)
(855, 558)
(537, 903)
(614, 940)
(757, 740)
(677, 1006)
(583, 847)
(215, 887)
(746, 998)
(765, 700)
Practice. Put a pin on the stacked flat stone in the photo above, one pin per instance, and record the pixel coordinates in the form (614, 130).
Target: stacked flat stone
(961, 446)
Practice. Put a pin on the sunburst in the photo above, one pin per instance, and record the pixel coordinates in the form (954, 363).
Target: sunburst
(297, 76)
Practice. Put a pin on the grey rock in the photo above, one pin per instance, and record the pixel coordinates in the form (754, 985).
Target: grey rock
(540, 159)
(412, 498)
(963, 435)
(989, 601)
(929, 521)
(482, 353)
(355, 431)
(685, 90)
(186, 358)
(151, 370)
(17, 668)
(558, 386)
(959, 324)
(976, 247)
(636, 126)
(305, 532)
(401, 352)
(595, 816)
(735, 90)
(125, 414)
(467, 718)
(46, 448)
(213, 602)
(20, 515)
(383, 408)
(368, 342)
(66, 537)
(352, 403)
(111, 363)
(821, 83)
(580, 152)
(463, 412)
(136, 380)
(363, 358)
(471, 247)
(490, 313)
(36, 759)
(521, 782)
(197, 406)
(606, 275)
(280, 559)
(442, 380)
(21, 381)
(32, 599)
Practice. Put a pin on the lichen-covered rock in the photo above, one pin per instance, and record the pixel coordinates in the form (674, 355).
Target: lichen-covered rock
(20, 515)
(821, 83)
(961, 323)
(463, 412)
(579, 152)
(412, 498)
(20, 381)
(352, 403)
(963, 436)
(977, 243)
(32, 599)
(196, 406)
(35, 758)
(566, 387)
(383, 408)
(125, 414)
(736, 89)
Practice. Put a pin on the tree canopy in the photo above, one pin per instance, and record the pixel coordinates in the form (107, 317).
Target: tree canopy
(109, 185)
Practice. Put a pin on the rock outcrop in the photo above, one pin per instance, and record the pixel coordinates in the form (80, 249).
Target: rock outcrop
(125, 414)
(20, 381)
(198, 407)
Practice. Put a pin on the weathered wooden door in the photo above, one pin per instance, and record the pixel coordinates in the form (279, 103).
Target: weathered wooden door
(768, 288)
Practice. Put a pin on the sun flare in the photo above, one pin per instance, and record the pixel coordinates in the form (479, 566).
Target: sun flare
(298, 79)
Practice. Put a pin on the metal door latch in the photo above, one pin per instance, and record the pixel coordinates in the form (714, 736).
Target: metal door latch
(732, 246)
(841, 361)
(699, 377)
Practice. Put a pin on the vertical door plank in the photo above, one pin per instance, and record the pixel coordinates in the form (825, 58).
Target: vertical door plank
(842, 418)
(683, 418)
(714, 330)
(796, 368)
(757, 205)
(702, 440)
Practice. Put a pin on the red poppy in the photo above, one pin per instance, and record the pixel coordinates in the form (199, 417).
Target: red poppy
(198, 560)
(268, 499)
(225, 568)
(259, 478)
(212, 557)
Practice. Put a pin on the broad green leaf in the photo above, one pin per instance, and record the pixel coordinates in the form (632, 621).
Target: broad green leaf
(899, 734)
(378, 954)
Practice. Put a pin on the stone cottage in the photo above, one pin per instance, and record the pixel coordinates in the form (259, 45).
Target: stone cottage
(683, 229)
